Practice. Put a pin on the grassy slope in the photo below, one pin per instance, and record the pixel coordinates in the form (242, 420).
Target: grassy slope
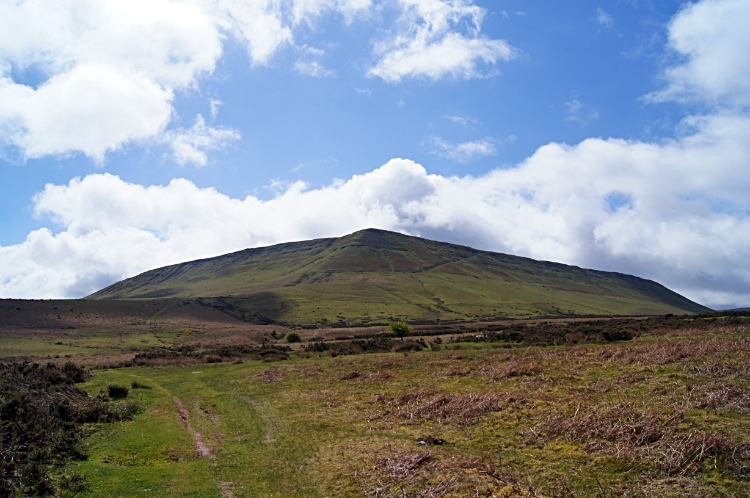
(373, 276)
(308, 428)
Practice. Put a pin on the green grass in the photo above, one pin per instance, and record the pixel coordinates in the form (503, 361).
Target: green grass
(29, 347)
(344, 426)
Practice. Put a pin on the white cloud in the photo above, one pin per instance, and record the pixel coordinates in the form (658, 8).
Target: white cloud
(92, 109)
(427, 43)
(465, 151)
(364, 91)
(713, 38)
(578, 113)
(306, 9)
(309, 66)
(314, 69)
(190, 146)
(556, 205)
(215, 104)
(112, 68)
(605, 20)
(464, 121)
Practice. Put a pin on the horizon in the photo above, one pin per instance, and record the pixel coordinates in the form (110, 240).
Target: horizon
(613, 137)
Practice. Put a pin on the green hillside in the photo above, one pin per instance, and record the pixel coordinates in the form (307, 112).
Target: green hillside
(373, 276)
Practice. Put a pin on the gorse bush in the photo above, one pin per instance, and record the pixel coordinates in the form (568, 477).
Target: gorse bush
(115, 391)
(292, 337)
(41, 412)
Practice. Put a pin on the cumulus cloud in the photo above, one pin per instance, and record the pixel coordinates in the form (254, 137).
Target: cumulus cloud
(465, 151)
(428, 44)
(556, 205)
(111, 69)
(712, 38)
(190, 146)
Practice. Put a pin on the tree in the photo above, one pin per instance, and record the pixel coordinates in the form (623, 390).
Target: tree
(399, 329)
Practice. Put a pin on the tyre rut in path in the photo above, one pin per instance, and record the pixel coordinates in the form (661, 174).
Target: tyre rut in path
(201, 448)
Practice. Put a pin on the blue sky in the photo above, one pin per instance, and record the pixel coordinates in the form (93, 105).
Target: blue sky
(606, 135)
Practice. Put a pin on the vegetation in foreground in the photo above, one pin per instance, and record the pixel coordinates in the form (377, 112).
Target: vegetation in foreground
(42, 414)
(664, 414)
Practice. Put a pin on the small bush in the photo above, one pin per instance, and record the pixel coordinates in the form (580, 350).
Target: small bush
(292, 337)
(127, 410)
(137, 385)
(115, 391)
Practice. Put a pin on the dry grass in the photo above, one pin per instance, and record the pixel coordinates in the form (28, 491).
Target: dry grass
(462, 409)
(641, 436)
(390, 469)
(651, 417)
(270, 376)
(713, 396)
(663, 352)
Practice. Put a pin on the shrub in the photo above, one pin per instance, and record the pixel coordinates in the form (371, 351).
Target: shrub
(40, 413)
(292, 337)
(115, 391)
(137, 385)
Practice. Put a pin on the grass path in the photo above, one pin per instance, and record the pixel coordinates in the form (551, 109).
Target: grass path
(203, 434)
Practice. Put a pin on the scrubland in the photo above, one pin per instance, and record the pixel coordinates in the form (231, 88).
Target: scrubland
(663, 414)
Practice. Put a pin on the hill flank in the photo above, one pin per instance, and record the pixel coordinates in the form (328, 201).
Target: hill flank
(373, 276)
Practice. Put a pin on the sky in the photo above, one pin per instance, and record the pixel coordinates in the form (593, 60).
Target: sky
(607, 135)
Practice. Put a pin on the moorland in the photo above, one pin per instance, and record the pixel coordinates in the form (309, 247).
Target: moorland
(622, 407)
(150, 388)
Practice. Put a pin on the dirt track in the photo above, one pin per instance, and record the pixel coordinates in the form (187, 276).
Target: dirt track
(201, 448)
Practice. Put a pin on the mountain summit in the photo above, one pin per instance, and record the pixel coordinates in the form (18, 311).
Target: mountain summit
(372, 276)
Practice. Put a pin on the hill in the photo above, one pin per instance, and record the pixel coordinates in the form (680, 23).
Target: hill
(373, 276)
